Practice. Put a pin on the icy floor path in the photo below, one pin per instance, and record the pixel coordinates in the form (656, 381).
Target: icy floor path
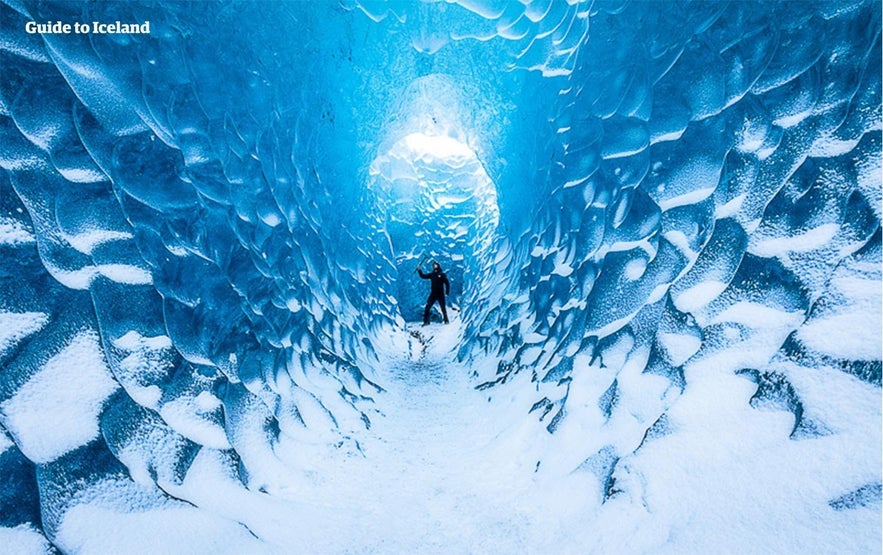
(431, 477)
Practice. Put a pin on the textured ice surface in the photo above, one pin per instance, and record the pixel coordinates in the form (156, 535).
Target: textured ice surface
(661, 221)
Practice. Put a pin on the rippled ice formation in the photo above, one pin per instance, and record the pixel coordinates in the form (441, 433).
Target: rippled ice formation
(661, 221)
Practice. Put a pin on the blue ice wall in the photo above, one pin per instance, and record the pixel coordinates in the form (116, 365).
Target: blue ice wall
(174, 186)
(679, 143)
(198, 203)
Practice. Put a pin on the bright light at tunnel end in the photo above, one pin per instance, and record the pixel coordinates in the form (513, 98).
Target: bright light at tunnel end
(437, 146)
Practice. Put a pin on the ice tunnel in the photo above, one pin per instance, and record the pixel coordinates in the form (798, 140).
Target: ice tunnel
(661, 224)
(440, 204)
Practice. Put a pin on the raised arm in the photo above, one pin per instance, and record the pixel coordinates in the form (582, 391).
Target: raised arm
(421, 274)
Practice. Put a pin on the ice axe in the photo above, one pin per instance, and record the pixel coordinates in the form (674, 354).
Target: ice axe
(422, 260)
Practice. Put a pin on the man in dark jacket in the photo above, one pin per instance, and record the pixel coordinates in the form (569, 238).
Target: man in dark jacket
(440, 287)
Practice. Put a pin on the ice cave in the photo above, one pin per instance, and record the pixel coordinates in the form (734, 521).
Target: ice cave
(660, 223)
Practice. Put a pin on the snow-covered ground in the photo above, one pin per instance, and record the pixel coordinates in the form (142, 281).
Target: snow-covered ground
(447, 468)
(432, 475)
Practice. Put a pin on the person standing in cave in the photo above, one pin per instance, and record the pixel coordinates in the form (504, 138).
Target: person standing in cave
(440, 286)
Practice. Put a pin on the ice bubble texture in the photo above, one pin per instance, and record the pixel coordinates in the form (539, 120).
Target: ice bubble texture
(680, 212)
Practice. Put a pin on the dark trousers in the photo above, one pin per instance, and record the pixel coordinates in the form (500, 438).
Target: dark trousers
(441, 301)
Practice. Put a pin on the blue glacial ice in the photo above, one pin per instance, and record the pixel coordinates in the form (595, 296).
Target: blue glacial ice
(661, 221)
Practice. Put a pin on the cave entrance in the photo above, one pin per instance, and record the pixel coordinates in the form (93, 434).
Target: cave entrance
(439, 204)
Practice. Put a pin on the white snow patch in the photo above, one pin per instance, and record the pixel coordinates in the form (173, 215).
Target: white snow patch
(575, 182)
(148, 396)
(853, 331)
(686, 199)
(679, 240)
(13, 232)
(780, 246)
(87, 241)
(621, 246)
(562, 269)
(828, 146)
(534, 337)
(758, 315)
(680, 346)
(82, 175)
(183, 415)
(206, 402)
(635, 268)
(81, 278)
(5, 443)
(853, 336)
(664, 137)
(133, 341)
(712, 484)
(24, 539)
(126, 273)
(699, 295)
(730, 208)
(57, 409)
(658, 292)
(291, 526)
(91, 528)
(790, 121)
(148, 359)
(15, 326)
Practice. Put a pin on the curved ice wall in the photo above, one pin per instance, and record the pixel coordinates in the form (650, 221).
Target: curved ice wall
(198, 261)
